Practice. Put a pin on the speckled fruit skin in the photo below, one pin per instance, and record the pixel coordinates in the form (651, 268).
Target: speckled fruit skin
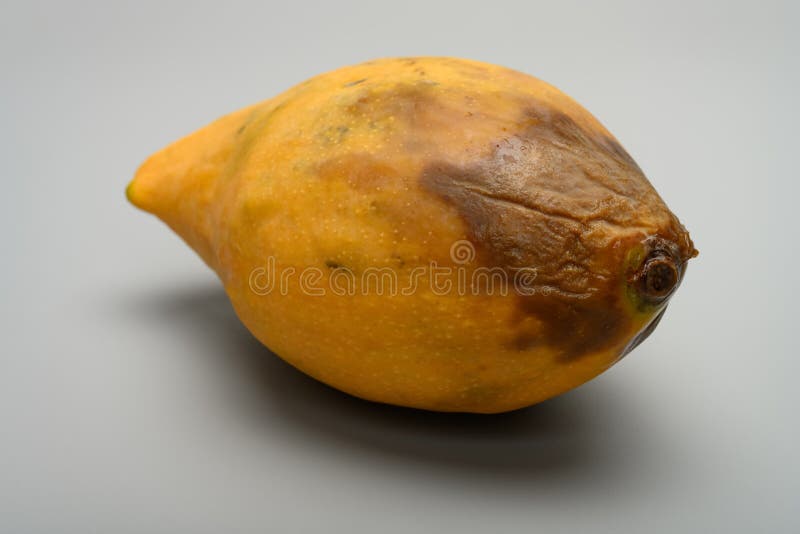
(387, 164)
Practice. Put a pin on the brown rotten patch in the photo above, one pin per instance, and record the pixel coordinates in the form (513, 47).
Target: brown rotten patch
(551, 197)
(569, 203)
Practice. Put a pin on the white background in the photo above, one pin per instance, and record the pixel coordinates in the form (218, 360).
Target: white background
(132, 400)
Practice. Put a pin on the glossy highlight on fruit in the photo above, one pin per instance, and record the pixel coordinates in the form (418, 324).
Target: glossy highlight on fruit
(430, 232)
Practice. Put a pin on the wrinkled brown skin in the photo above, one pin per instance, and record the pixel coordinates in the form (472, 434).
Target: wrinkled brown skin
(387, 164)
(539, 200)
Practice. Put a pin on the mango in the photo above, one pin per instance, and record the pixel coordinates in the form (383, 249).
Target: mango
(429, 232)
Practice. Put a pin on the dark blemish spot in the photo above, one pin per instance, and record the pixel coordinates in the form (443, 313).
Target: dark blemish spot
(351, 84)
(400, 262)
(526, 340)
(330, 264)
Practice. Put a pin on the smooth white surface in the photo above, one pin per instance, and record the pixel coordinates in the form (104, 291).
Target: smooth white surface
(132, 400)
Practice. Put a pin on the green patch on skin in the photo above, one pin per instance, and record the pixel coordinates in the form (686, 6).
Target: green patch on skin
(633, 262)
(333, 134)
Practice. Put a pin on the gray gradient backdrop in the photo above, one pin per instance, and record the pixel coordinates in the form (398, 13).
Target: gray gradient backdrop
(133, 401)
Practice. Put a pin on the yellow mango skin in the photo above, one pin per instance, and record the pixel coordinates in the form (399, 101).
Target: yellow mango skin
(386, 164)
